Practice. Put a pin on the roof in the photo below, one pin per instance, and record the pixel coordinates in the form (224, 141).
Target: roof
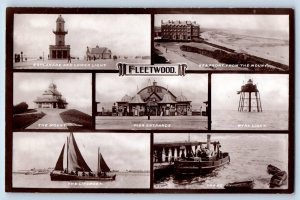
(145, 94)
(60, 19)
(56, 95)
(126, 98)
(49, 100)
(167, 99)
(100, 50)
(178, 22)
(181, 98)
(136, 99)
(52, 90)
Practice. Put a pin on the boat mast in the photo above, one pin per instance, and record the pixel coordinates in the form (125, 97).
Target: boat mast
(67, 154)
(98, 166)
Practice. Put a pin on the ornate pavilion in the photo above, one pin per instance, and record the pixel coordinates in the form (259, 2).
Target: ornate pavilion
(51, 98)
(154, 100)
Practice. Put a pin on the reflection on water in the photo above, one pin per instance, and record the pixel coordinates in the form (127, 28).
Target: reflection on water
(250, 154)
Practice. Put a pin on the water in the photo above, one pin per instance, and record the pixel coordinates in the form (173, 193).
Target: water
(249, 157)
(234, 120)
(123, 180)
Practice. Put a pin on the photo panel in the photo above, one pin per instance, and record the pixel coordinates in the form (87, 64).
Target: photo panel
(53, 101)
(250, 101)
(80, 41)
(226, 42)
(152, 103)
(81, 160)
(230, 162)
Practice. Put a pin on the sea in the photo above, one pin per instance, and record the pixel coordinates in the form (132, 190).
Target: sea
(250, 154)
(123, 180)
(234, 120)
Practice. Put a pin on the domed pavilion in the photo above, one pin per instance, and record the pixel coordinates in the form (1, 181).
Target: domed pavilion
(154, 100)
(51, 98)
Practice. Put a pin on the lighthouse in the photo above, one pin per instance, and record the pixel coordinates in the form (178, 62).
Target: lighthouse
(249, 98)
(60, 50)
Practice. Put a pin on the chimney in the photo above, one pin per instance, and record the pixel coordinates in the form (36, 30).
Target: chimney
(208, 142)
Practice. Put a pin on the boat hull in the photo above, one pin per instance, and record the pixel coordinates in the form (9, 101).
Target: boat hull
(278, 179)
(199, 167)
(162, 170)
(69, 177)
(238, 186)
(271, 169)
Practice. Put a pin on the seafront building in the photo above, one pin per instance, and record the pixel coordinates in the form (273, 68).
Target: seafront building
(179, 30)
(98, 53)
(154, 100)
(51, 98)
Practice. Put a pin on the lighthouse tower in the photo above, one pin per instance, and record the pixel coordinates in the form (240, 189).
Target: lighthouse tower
(249, 98)
(59, 50)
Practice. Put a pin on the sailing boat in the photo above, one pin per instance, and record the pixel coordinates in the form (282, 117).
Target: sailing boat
(77, 168)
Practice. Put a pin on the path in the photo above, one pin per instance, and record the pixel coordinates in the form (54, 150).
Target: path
(175, 57)
(51, 120)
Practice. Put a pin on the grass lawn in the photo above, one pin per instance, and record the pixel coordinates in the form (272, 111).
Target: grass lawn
(77, 118)
(21, 121)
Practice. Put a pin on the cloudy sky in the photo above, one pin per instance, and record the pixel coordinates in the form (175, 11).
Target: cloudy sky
(111, 87)
(127, 35)
(75, 87)
(264, 23)
(121, 151)
(273, 88)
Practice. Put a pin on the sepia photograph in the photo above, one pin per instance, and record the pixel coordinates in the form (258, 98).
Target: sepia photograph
(223, 42)
(150, 100)
(80, 41)
(152, 103)
(250, 101)
(81, 160)
(233, 162)
(58, 101)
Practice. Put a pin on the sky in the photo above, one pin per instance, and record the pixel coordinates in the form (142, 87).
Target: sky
(273, 88)
(111, 87)
(127, 35)
(264, 23)
(120, 151)
(75, 87)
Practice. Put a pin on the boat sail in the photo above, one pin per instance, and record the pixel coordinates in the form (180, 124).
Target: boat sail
(77, 168)
(102, 166)
(60, 162)
(75, 159)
